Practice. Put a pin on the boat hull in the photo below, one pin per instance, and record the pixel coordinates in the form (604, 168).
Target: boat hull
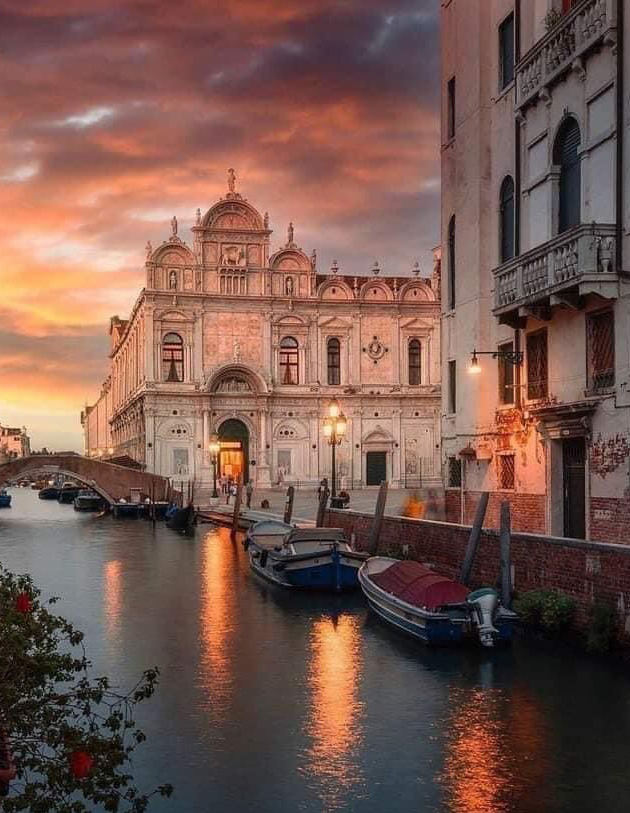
(49, 494)
(68, 495)
(88, 504)
(329, 572)
(5, 501)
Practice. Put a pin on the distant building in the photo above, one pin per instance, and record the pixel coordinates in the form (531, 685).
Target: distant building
(231, 337)
(535, 224)
(14, 442)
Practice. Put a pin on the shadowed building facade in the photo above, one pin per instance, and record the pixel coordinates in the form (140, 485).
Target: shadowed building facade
(535, 224)
(231, 337)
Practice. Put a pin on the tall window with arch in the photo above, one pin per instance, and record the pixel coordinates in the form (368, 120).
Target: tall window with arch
(415, 363)
(172, 357)
(451, 263)
(506, 218)
(289, 363)
(566, 155)
(334, 361)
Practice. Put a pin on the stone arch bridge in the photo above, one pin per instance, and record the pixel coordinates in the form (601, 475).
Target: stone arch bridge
(109, 480)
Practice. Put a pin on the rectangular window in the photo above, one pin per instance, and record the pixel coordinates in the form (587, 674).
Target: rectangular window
(505, 474)
(537, 365)
(450, 109)
(452, 387)
(506, 375)
(600, 350)
(454, 472)
(506, 52)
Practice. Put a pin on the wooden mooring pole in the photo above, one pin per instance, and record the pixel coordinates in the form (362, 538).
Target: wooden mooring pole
(237, 509)
(288, 506)
(377, 521)
(321, 508)
(473, 539)
(506, 570)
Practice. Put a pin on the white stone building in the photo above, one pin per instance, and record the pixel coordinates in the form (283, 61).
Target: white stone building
(230, 336)
(535, 223)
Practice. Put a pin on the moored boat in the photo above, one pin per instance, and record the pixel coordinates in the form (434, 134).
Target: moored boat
(5, 498)
(181, 519)
(49, 493)
(126, 510)
(87, 500)
(315, 558)
(68, 492)
(415, 599)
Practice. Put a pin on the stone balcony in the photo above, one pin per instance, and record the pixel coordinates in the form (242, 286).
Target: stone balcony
(558, 272)
(564, 48)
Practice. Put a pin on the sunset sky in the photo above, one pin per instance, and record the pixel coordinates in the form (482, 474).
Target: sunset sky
(117, 114)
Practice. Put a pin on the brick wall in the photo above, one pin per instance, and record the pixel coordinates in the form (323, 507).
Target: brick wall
(528, 510)
(610, 519)
(587, 571)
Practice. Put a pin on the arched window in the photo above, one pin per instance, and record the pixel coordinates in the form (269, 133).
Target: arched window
(172, 357)
(566, 156)
(289, 370)
(415, 364)
(334, 362)
(451, 263)
(506, 224)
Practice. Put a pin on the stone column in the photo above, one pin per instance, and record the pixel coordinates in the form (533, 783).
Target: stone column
(197, 349)
(263, 479)
(396, 450)
(397, 373)
(149, 346)
(355, 353)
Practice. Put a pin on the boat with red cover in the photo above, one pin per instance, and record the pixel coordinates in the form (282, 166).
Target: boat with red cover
(414, 598)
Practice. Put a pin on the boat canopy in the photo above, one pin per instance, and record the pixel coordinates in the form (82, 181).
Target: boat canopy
(269, 527)
(316, 535)
(417, 584)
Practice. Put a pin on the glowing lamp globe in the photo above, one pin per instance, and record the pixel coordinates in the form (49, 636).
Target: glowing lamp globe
(342, 424)
(333, 408)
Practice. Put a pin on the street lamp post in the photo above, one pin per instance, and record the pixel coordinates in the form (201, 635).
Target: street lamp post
(335, 426)
(214, 447)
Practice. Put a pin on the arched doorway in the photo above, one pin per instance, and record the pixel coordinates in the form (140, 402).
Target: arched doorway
(234, 454)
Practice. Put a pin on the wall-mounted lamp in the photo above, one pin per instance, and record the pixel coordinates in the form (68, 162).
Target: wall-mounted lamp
(514, 357)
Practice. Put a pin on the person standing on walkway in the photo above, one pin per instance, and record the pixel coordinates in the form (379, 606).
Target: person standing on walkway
(249, 490)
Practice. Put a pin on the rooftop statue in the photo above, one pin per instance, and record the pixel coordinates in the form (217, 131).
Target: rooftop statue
(174, 225)
(231, 180)
(290, 233)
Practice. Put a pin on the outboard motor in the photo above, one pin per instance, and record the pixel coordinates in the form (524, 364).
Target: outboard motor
(484, 603)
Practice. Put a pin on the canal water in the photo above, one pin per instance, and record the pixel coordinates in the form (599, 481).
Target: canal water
(271, 701)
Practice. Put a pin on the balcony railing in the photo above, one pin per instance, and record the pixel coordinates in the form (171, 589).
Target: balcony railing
(564, 47)
(580, 261)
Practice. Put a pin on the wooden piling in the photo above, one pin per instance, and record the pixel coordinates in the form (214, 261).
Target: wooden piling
(506, 572)
(321, 508)
(473, 539)
(288, 506)
(377, 521)
(237, 509)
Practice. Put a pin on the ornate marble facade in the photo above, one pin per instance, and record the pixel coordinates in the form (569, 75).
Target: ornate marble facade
(230, 336)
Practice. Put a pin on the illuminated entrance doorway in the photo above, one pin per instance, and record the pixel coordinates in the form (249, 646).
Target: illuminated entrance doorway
(234, 454)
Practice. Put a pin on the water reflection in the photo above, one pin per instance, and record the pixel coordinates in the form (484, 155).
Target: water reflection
(112, 604)
(494, 751)
(216, 622)
(335, 715)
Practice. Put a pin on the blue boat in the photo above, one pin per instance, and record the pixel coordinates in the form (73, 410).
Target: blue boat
(87, 500)
(435, 609)
(5, 499)
(312, 558)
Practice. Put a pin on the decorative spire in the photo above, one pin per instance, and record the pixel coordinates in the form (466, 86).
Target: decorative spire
(198, 217)
(231, 181)
(266, 220)
(375, 268)
(174, 225)
(314, 259)
(334, 267)
(149, 249)
(416, 268)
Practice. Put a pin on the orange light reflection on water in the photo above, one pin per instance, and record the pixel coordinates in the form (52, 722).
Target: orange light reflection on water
(112, 577)
(495, 750)
(216, 622)
(334, 721)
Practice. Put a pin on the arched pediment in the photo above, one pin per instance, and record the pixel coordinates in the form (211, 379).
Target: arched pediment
(172, 316)
(288, 320)
(290, 430)
(378, 435)
(237, 215)
(173, 253)
(289, 259)
(375, 291)
(175, 429)
(334, 289)
(416, 292)
(236, 379)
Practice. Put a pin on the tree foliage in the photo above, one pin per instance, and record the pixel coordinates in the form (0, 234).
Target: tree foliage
(71, 735)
